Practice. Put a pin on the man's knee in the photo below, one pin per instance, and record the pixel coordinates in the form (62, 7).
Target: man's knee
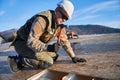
(44, 64)
(43, 56)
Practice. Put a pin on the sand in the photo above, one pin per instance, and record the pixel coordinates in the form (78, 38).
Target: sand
(102, 53)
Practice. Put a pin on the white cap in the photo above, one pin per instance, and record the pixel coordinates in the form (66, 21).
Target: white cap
(67, 6)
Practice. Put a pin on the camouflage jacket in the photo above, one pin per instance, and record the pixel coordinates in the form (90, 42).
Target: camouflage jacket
(42, 29)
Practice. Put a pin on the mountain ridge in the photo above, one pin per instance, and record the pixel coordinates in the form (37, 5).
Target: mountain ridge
(92, 29)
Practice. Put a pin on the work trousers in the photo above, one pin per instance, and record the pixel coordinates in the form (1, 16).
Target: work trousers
(30, 57)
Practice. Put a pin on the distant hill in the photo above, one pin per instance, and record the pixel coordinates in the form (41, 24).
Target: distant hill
(92, 29)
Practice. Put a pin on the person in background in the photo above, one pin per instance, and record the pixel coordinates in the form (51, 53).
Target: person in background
(33, 38)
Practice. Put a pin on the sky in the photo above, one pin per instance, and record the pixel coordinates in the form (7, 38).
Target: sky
(14, 13)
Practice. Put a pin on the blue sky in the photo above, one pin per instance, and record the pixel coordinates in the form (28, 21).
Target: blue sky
(14, 13)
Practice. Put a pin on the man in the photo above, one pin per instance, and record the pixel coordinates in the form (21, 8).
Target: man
(36, 33)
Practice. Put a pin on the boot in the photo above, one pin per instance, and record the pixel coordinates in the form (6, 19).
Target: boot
(15, 63)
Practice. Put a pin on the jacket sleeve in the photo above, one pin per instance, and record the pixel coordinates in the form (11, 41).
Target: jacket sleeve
(36, 31)
(66, 44)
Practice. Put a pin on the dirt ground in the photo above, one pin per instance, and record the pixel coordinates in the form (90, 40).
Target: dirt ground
(102, 53)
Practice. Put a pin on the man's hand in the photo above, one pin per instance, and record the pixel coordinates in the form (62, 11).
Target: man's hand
(76, 59)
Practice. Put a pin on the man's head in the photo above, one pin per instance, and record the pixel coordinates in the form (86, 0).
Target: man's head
(64, 11)
(67, 6)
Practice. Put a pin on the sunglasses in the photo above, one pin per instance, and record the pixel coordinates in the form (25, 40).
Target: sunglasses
(63, 15)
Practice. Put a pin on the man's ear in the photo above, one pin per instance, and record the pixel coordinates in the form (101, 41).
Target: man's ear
(56, 11)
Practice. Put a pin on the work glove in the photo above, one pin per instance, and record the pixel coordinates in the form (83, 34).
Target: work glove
(51, 48)
(54, 47)
(76, 59)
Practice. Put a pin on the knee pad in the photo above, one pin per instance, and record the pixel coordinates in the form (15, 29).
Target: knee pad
(43, 65)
